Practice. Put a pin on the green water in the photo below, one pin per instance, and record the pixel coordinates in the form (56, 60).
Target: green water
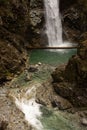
(49, 57)
(57, 120)
(50, 119)
(54, 120)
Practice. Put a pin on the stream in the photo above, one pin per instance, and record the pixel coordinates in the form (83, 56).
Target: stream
(38, 116)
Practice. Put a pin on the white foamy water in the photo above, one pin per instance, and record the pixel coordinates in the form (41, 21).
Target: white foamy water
(53, 22)
(53, 25)
(30, 108)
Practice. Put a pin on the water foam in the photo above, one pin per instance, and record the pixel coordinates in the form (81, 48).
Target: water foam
(30, 108)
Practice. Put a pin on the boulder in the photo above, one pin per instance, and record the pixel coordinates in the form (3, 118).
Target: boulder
(74, 84)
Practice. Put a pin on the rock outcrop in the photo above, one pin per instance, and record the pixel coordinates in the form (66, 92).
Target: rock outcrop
(71, 81)
(37, 22)
(74, 21)
(12, 61)
(14, 23)
(21, 24)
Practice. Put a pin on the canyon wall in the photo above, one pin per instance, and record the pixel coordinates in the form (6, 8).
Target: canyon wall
(22, 24)
(14, 22)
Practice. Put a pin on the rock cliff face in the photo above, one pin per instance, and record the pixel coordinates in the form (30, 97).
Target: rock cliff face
(14, 22)
(20, 27)
(37, 22)
(74, 20)
(70, 82)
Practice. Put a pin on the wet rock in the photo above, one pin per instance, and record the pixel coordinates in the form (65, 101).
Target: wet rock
(74, 23)
(73, 86)
(39, 63)
(85, 113)
(41, 102)
(64, 4)
(57, 75)
(56, 104)
(28, 78)
(84, 121)
(37, 22)
(11, 61)
(33, 69)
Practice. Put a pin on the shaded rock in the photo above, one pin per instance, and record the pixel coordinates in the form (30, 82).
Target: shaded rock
(14, 21)
(84, 121)
(57, 75)
(48, 97)
(83, 37)
(11, 61)
(74, 23)
(41, 102)
(37, 22)
(33, 69)
(76, 69)
(28, 78)
(82, 51)
(73, 86)
(64, 4)
(3, 125)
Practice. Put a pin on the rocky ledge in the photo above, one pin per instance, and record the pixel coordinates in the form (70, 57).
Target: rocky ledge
(71, 81)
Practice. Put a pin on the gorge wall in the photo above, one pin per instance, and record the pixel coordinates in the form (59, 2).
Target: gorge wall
(14, 21)
(22, 24)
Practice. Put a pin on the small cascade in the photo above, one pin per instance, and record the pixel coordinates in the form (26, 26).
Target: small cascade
(30, 108)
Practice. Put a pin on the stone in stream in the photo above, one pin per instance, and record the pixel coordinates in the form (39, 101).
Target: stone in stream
(39, 63)
(33, 69)
(28, 78)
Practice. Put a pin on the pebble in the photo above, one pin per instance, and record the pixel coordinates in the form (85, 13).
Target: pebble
(39, 63)
(28, 78)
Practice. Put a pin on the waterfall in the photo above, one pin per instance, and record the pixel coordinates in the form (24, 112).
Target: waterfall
(53, 24)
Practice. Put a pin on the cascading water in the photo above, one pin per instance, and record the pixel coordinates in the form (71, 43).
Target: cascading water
(53, 24)
(40, 117)
(30, 108)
